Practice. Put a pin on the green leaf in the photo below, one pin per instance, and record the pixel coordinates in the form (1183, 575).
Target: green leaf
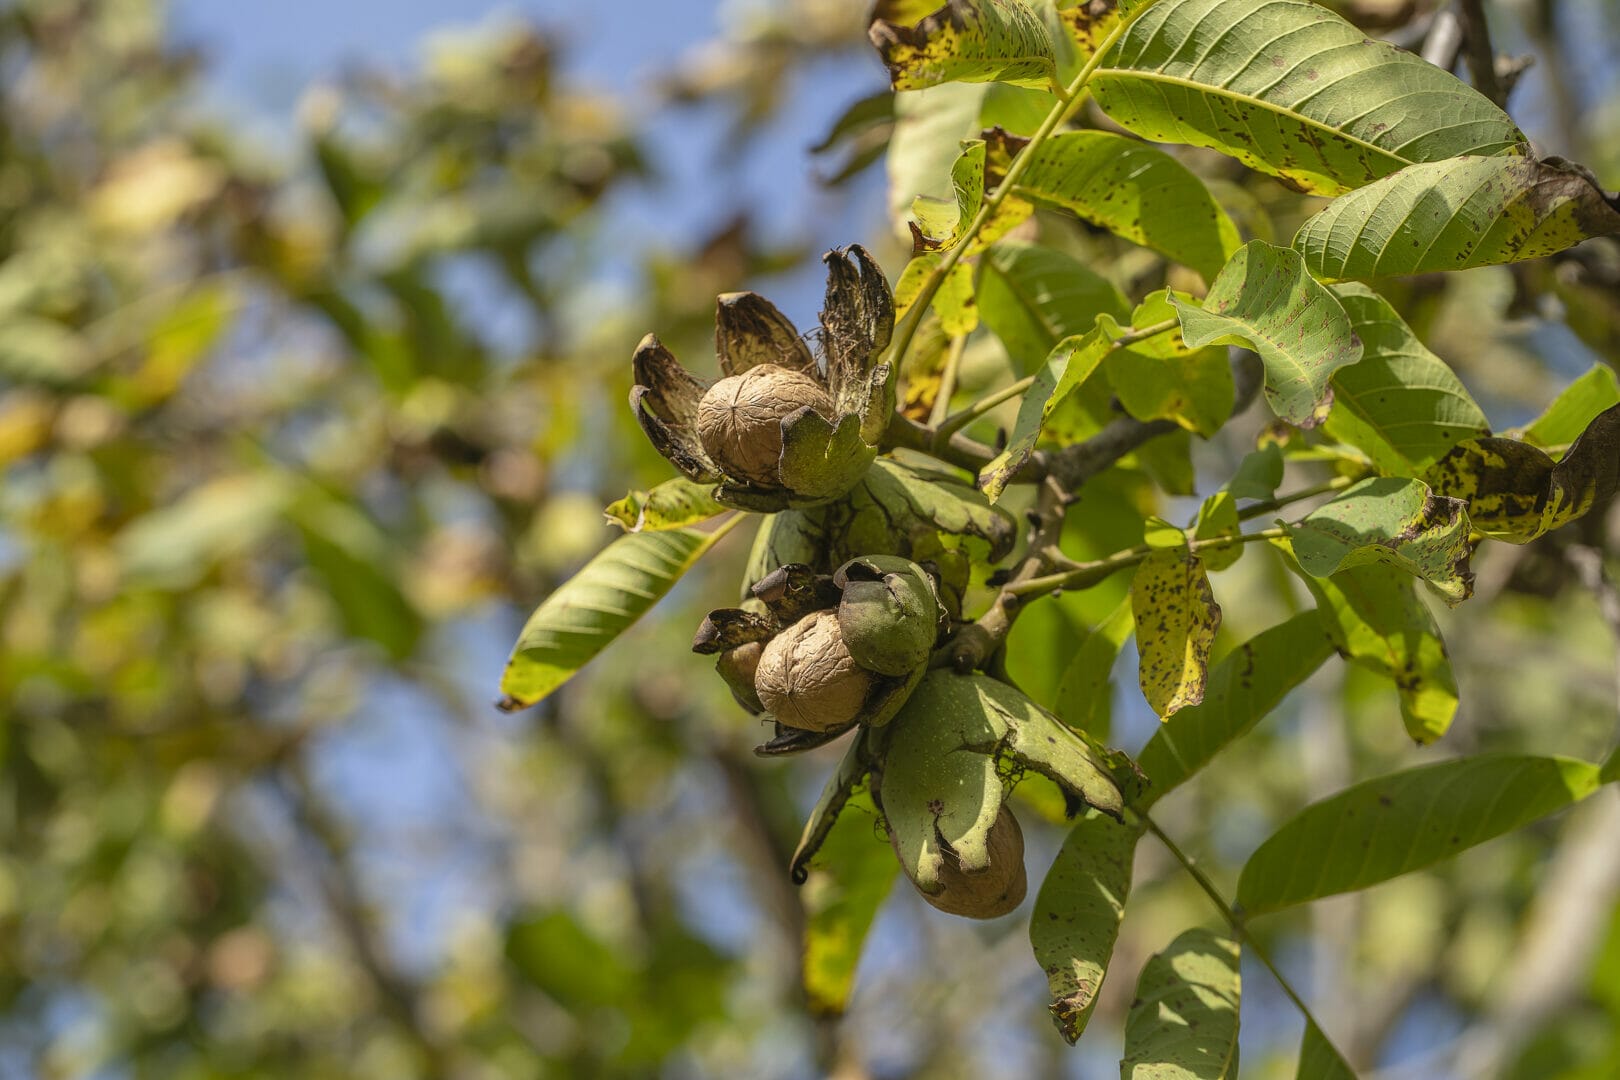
(1082, 694)
(573, 966)
(954, 301)
(941, 220)
(1218, 517)
(1032, 297)
(1183, 1023)
(1401, 405)
(964, 41)
(1258, 474)
(1245, 686)
(1264, 299)
(1176, 619)
(1377, 620)
(1160, 378)
(1393, 521)
(1077, 916)
(1394, 824)
(1135, 191)
(1456, 214)
(1071, 362)
(674, 504)
(848, 880)
(1515, 492)
(596, 605)
(1611, 768)
(1573, 411)
(942, 777)
(1318, 1060)
(1291, 89)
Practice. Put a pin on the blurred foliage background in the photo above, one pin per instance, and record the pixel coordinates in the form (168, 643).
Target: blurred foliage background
(296, 428)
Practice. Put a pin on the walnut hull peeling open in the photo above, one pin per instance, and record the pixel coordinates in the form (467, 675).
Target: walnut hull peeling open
(992, 892)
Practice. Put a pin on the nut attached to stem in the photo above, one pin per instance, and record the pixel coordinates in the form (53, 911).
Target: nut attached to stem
(739, 420)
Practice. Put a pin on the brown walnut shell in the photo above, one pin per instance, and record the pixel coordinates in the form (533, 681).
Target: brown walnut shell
(806, 678)
(739, 420)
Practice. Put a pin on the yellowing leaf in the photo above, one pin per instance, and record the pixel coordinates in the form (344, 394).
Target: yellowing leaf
(964, 41)
(1176, 620)
(671, 505)
(1515, 492)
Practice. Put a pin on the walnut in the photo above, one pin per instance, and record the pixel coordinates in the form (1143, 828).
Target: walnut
(737, 666)
(739, 420)
(807, 679)
(998, 889)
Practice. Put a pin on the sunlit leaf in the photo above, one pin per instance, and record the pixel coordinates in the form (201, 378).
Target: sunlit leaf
(929, 127)
(1077, 915)
(1243, 688)
(1217, 518)
(1455, 214)
(1404, 821)
(1264, 299)
(964, 41)
(595, 606)
(1176, 619)
(1396, 522)
(673, 504)
(1183, 1023)
(1291, 89)
(1400, 405)
(1134, 190)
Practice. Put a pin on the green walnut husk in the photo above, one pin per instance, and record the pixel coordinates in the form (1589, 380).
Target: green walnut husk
(928, 516)
(778, 430)
(833, 651)
(951, 758)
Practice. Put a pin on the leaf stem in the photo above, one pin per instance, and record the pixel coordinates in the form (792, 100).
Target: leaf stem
(1069, 100)
(1084, 575)
(1338, 483)
(962, 418)
(947, 379)
(1233, 919)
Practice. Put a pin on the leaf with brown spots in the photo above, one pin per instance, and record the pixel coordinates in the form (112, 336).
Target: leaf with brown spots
(1456, 214)
(1183, 1024)
(1264, 300)
(1291, 89)
(673, 504)
(1395, 522)
(964, 41)
(1176, 620)
(1394, 824)
(1077, 916)
(1516, 492)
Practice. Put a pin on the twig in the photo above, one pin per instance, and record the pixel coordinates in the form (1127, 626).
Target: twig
(947, 379)
(1232, 919)
(1085, 575)
(1260, 509)
(1481, 57)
